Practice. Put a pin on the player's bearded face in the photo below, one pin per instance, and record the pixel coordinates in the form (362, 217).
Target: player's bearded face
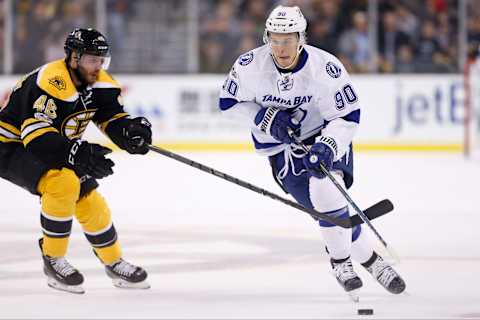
(89, 67)
(284, 48)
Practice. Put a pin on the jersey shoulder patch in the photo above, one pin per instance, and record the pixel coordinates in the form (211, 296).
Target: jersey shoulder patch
(105, 80)
(54, 79)
(245, 58)
(333, 70)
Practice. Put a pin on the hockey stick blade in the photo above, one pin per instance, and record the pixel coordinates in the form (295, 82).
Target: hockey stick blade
(377, 210)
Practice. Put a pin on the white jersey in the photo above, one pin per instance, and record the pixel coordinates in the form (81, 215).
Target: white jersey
(318, 91)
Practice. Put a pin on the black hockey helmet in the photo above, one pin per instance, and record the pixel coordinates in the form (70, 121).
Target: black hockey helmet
(87, 41)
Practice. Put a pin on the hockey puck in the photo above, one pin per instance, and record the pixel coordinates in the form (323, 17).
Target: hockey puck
(365, 312)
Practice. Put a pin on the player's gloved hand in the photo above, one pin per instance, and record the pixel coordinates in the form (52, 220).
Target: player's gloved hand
(276, 122)
(322, 152)
(138, 135)
(89, 158)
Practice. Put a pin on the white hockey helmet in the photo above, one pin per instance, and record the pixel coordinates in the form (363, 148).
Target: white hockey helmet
(286, 20)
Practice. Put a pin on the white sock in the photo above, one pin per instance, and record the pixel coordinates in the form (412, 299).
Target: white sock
(362, 250)
(337, 240)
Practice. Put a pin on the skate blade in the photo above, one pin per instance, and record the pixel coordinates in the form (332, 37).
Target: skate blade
(120, 283)
(354, 295)
(52, 283)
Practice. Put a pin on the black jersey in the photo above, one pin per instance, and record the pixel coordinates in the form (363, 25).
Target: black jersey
(45, 110)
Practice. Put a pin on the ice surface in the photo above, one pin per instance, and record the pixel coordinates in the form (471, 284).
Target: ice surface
(216, 250)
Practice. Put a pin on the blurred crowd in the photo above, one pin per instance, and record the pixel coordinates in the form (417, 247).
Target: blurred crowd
(412, 36)
(404, 36)
(40, 28)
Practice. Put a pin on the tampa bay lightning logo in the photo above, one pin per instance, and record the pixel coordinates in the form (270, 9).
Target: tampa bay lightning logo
(333, 70)
(245, 58)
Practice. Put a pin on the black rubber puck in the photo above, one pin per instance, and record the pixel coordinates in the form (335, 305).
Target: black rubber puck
(364, 312)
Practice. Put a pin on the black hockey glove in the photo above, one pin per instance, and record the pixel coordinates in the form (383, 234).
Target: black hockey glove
(89, 158)
(138, 135)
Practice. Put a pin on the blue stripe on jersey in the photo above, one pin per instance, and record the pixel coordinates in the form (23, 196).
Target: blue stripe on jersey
(227, 103)
(353, 116)
(259, 145)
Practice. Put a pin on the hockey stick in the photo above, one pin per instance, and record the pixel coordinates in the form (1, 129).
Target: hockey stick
(375, 211)
(360, 213)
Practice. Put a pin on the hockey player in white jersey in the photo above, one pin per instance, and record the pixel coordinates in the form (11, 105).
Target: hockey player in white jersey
(288, 85)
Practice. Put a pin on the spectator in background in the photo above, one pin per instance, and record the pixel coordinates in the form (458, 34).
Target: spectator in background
(319, 35)
(254, 10)
(443, 30)
(31, 29)
(248, 27)
(389, 40)
(406, 21)
(335, 26)
(447, 38)
(325, 25)
(54, 46)
(473, 32)
(211, 55)
(35, 24)
(246, 43)
(232, 23)
(354, 45)
(117, 16)
(327, 11)
(429, 9)
(223, 21)
(249, 37)
(428, 55)
(404, 63)
(346, 10)
(73, 13)
(220, 34)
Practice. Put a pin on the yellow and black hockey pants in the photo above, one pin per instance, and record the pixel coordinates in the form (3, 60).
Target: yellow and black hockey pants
(60, 199)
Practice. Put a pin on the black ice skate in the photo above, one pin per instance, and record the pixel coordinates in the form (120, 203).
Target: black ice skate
(385, 274)
(127, 275)
(60, 274)
(346, 276)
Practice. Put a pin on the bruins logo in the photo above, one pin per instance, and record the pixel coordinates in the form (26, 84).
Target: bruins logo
(58, 83)
(75, 125)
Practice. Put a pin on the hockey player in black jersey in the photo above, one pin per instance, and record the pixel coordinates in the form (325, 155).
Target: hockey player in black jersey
(41, 150)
